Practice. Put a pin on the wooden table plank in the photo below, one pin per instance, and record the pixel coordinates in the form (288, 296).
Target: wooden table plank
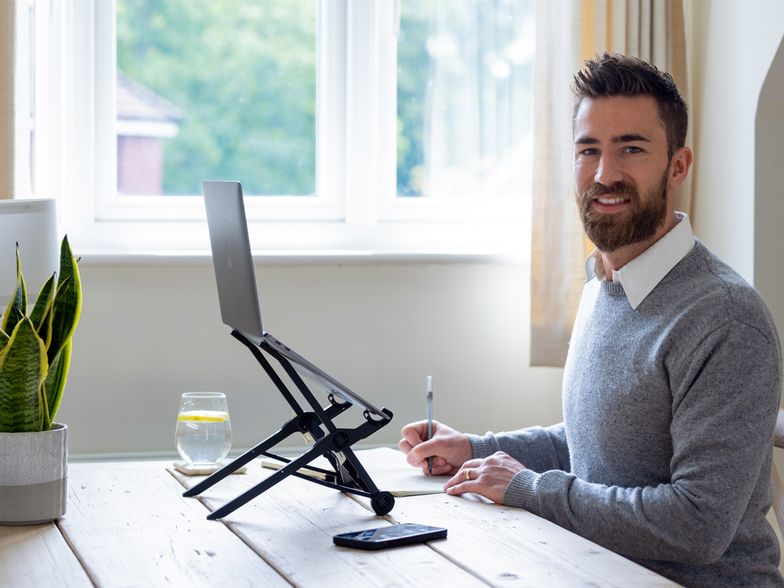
(292, 524)
(519, 548)
(131, 527)
(38, 555)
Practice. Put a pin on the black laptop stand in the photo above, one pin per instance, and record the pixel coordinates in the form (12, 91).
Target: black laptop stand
(331, 442)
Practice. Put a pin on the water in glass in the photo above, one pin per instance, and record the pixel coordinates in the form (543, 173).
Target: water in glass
(203, 434)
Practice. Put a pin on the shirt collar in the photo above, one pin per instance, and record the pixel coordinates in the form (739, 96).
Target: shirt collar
(641, 275)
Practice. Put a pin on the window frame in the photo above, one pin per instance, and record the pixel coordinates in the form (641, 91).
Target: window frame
(356, 207)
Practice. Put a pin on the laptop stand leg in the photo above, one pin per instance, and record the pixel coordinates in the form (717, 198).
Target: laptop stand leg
(264, 485)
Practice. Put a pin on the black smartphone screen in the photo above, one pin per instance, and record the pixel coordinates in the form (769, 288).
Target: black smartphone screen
(392, 536)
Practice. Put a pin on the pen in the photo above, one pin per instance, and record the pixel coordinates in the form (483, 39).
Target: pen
(429, 395)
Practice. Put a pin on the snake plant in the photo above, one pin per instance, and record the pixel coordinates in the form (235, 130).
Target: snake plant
(35, 347)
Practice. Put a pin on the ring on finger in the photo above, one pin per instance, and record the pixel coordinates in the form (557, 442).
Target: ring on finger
(468, 474)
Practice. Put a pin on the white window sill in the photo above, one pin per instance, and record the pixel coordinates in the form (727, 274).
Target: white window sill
(187, 243)
(204, 258)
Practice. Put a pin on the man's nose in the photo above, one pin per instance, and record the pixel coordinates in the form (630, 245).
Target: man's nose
(608, 171)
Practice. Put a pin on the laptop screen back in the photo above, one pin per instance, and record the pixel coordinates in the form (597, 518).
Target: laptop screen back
(232, 258)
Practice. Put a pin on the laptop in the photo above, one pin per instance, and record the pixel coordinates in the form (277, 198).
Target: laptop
(236, 280)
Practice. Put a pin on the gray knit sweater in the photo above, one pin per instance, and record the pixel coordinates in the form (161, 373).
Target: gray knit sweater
(664, 455)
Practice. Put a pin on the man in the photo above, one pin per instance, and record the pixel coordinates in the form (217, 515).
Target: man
(671, 384)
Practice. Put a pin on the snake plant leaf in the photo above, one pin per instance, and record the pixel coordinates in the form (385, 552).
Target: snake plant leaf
(45, 329)
(54, 384)
(23, 368)
(43, 303)
(63, 294)
(3, 339)
(67, 304)
(17, 306)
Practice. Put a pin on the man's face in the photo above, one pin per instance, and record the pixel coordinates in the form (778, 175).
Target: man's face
(621, 168)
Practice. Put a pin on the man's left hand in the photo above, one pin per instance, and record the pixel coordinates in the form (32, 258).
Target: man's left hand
(489, 476)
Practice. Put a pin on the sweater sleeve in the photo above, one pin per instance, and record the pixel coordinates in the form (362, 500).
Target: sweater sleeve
(725, 401)
(538, 448)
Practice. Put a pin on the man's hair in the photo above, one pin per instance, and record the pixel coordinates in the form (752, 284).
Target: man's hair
(613, 74)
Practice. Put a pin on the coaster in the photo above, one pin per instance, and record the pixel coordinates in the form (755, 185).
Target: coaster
(190, 469)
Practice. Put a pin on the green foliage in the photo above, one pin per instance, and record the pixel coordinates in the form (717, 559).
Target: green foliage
(35, 357)
(412, 85)
(243, 74)
(41, 315)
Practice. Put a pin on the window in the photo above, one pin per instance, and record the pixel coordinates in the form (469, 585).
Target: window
(216, 89)
(376, 125)
(463, 96)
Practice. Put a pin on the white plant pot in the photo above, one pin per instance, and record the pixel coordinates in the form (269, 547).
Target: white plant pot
(33, 474)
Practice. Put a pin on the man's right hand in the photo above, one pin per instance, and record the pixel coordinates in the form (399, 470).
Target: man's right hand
(448, 448)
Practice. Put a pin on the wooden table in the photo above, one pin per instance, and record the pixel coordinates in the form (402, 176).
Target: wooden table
(128, 525)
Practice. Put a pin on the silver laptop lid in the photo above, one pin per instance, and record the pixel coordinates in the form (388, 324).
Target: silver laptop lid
(232, 258)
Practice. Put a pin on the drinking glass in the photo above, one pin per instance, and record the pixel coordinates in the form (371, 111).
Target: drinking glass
(203, 434)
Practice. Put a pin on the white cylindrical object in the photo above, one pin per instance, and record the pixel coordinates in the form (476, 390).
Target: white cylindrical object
(33, 224)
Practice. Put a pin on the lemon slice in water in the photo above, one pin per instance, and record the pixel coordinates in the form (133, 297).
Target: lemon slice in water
(204, 416)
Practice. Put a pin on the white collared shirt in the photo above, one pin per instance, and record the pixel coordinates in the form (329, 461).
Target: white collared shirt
(641, 275)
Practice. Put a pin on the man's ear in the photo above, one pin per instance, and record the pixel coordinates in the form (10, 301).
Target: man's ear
(679, 167)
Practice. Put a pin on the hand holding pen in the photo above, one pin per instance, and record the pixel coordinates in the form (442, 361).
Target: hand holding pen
(436, 448)
(448, 449)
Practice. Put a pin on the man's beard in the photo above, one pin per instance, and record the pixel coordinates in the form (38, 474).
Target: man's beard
(613, 231)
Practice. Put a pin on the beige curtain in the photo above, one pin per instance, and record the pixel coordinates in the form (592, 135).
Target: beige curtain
(7, 116)
(568, 32)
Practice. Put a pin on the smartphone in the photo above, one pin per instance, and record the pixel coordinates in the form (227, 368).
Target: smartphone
(392, 536)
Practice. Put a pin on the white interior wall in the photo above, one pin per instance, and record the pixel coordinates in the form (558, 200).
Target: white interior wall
(148, 333)
(732, 44)
(769, 190)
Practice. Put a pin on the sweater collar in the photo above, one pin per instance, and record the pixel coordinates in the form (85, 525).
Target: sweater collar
(641, 275)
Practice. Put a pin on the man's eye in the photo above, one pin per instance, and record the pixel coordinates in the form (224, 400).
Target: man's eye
(633, 149)
(588, 152)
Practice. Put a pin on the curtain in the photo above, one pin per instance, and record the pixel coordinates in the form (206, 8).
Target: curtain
(7, 116)
(567, 33)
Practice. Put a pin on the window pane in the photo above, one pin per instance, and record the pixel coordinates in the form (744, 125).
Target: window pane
(464, 97)
(216, 90)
